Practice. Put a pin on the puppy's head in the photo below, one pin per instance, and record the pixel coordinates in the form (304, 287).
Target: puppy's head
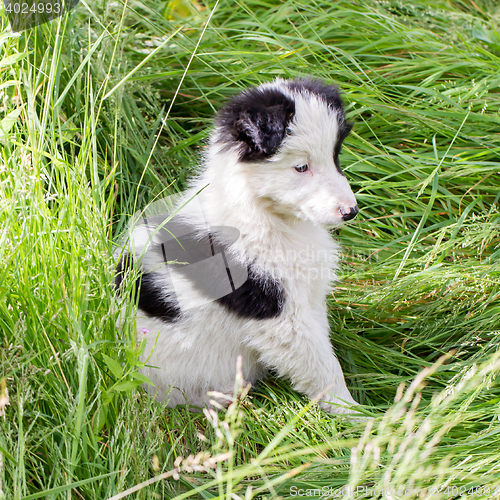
(288, 136)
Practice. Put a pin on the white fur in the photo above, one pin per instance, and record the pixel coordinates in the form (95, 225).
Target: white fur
(281, 215)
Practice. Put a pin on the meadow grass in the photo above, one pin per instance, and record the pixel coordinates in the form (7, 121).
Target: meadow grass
(106, 109)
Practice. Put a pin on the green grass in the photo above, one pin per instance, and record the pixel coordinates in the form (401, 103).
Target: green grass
(415, 319)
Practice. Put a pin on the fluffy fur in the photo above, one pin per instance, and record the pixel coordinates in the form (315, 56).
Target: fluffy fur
(250, 260)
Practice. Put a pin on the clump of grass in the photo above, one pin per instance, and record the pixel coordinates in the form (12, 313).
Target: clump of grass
(85, 143)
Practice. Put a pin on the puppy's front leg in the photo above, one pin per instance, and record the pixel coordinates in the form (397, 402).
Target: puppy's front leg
(305, 356)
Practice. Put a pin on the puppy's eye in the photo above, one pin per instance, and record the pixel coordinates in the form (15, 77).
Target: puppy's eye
(302, 168)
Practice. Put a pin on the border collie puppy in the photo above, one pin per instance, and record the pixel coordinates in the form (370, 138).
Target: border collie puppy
(243, 263)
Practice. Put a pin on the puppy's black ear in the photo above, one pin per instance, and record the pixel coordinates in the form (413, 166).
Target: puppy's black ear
(262, 130)
(257, 121)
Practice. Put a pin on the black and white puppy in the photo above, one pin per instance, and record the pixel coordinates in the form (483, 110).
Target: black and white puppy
(244, 264)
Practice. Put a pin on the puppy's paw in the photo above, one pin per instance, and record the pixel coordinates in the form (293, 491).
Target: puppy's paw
(219, 399)
(227, 396)
(347, 408)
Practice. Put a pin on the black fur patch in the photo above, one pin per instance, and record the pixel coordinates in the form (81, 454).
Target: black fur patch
(260, 297)
(152, 298)
(328, 93)
(257, 120)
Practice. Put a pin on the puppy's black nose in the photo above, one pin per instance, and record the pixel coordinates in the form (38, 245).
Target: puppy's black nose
(353, 211)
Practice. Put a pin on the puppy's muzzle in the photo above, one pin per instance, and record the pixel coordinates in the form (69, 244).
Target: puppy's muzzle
(348, 215)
